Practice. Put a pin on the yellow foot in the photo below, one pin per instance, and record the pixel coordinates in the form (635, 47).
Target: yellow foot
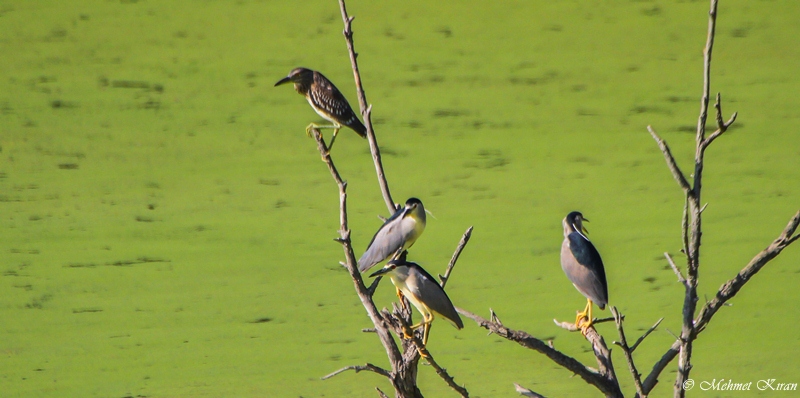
(584, 323)
(310, 128)
(401, 297)
(408, 332)
(423, 354)
(580, 319)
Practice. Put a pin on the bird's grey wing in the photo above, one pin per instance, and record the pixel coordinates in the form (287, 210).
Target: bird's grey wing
(435, 297)
(385, 242)
(588, 256)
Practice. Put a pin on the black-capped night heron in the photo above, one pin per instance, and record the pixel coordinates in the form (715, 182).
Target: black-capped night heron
(326, 100)
(583, 266)
(398, 233)
(423, 291)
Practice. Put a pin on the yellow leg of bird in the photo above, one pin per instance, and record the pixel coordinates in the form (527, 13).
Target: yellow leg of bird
(426, 323)
(401, 297)
(427, 332)
(333, 138)
(588, 319)
(583, 315)
(319, 127)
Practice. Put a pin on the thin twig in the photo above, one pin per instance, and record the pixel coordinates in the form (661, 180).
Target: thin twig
(570, 326)
(370, 367)
(732, 286)
(628, 352)
(722, 126)
(675, 269)
(392, 351)
(671, 163)
(456, 254)
(494, 318)
(726, 292)
(685, 228)
(605, 382)
(424, 353)
(526, 392)
(366, 110)
(374, 285)
(647, 333)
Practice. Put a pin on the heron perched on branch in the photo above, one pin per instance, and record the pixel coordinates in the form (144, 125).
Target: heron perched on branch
(398, 233)
(326, 100)
(423, 291)
(583, 266)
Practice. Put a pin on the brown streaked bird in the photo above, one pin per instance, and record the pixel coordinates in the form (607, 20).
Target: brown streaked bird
(583, 266)
(326, 100)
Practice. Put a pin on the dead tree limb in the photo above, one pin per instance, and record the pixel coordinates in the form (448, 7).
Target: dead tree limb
(603, 379)
(692, 322)
(726, 292)
(357, 368)
(403, 382)
(628, 352)
(404, 365)
(366, 110)
(456, 254)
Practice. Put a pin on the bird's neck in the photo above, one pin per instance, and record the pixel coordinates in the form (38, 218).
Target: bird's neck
(301, 87)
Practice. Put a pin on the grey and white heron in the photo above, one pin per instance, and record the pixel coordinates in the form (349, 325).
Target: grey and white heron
(583, 266)
(398, 233)
(423, 291)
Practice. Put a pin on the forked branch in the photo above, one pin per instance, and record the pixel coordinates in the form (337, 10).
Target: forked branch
(726, 292)
(628, 352)
(603, 379)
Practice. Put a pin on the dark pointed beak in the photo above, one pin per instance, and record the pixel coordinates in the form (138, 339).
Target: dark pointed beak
(286, 79)
(380, 272)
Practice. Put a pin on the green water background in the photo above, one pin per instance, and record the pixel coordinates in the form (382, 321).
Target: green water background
(167, 226)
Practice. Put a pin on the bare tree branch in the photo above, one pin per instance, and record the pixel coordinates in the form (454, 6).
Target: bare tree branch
(370, 367)
(688, 330)
(644, 336)
(731, 287)
(726, 292)
(628, 352)
(675, 269)
(603, 379)
(526, 392)
(456, 254)
(570, 326)
(366, 110)
(722, 126)
(363, 292)
(673, 166)
(685, 230)
(423, 352)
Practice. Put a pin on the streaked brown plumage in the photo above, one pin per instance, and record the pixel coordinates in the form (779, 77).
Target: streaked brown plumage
(326, 100)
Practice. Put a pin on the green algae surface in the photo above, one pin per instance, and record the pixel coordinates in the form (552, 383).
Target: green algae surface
(167, 226)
